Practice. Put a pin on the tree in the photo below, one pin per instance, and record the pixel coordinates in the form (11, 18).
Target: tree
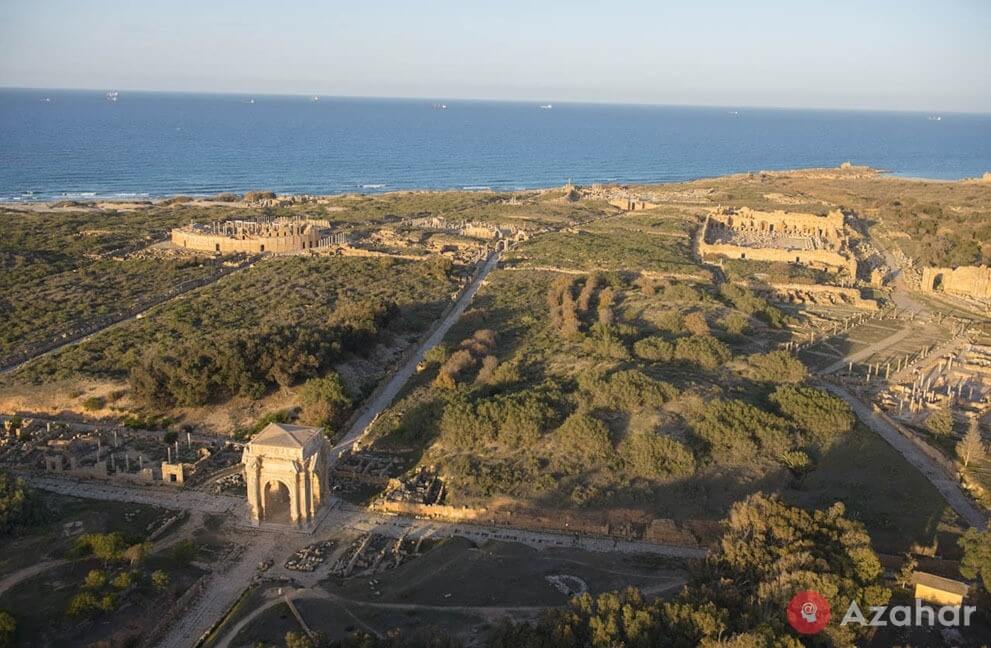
(16, 503)
(734, 430)
(970, 448)
(906, 571)
(82, 604)
(8, 628)
(940, 422)
(703, 350)
(183, 552)
(136, 553)
(160, 580)
(976, 561)
(123, 580)
(298, 640)
(325, 400)
(607, 299)
(105, 546)
(95, 579)
(654, 349)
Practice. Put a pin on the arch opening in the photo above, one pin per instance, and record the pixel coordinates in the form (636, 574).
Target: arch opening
(277, 503)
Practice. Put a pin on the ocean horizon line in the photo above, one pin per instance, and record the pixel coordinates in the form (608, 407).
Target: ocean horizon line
(484, 100)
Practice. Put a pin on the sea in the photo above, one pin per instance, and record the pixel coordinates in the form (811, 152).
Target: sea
(60, 144)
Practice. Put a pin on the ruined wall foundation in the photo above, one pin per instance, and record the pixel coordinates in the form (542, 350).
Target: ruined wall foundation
(818, 242)
(966, 281)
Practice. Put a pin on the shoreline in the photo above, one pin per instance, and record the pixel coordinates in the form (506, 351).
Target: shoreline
(149, 199)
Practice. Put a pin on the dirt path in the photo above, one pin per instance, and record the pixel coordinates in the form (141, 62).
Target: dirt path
(187, 500)
(489, 613)
(398, 379)
(11, 580)
(946, 484)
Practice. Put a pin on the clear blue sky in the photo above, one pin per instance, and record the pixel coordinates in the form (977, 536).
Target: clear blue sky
(880, 54)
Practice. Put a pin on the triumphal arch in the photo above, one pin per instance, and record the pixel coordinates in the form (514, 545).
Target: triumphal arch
(285, 470)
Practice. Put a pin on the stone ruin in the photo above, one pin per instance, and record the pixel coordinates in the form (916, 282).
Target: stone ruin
(281, 235)
(969, 282)
(285, 471)
(819, 242)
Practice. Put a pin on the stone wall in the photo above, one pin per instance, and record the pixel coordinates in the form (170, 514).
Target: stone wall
(620, 523)
(830, 226)
(965, 281)
(816, 294)
(184, 238)
(630, 204)
(826, 260)
(770, 225)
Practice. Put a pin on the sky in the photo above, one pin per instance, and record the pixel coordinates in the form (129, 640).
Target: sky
(879, 55)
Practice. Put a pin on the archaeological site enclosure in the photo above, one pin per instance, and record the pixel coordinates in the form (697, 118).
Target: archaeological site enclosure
(742, 233)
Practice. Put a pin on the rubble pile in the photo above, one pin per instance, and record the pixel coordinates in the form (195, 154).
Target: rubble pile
(311, 556)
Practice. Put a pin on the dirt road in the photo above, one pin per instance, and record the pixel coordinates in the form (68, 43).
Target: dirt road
(398, 379)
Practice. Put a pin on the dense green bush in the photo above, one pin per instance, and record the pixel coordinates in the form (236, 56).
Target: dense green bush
(821, 415)
(734, 431)
(627, 389)
(654, 349)
(702, 350)
(325, 400)
(654, 456)
(17, 504)
(776, 366)
(583, 439)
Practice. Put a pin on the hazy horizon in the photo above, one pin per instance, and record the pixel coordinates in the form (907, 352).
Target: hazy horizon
(920, 56)
(540, 101)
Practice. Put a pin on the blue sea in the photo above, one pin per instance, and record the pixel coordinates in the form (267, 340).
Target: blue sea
(77, 144)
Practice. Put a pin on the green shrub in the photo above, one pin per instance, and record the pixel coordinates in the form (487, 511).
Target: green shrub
(776, 366)
(702, 350)
(940, 423)
(654, 456)
(820, 414)
(654, 349)
(93, 403)
(95, 579)
(735, 430)
(325, 400)
(584, 439)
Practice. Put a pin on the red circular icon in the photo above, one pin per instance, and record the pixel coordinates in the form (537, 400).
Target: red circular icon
(808, 612)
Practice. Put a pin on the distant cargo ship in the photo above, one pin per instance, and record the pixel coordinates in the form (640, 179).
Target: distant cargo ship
(112, 95)
(440, 106)
(546, 107)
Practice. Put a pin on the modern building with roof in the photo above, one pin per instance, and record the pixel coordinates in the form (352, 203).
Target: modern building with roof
(939, 590)
(285, 470)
